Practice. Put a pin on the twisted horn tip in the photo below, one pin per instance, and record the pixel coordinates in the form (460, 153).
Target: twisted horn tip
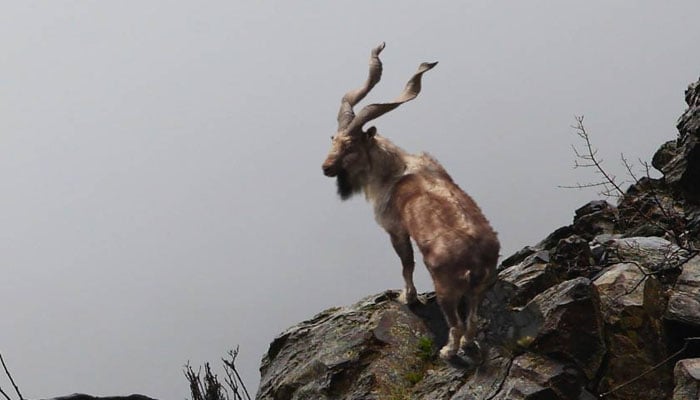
(427, 66)
(378, 49)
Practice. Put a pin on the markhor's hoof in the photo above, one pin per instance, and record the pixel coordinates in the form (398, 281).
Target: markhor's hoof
(471, 352)
(457, 361)
(408, 299)
(447, 353)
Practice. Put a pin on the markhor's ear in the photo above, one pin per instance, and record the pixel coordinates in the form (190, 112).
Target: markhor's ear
(371, 132)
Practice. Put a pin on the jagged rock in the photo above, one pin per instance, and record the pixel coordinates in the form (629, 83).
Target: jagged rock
(573, 258)
(533, 377)
(360, 352)
(650, 209)
(553, 238)
(684, 303)
(373, 350)
(528, 280)
(692, 226)
(486, 381)
(687, 379)
(689, 122)
(652, 253)
(595, 218)
(664, 155)
(517, 257)
(682, 172)
(570, 325)
(632, 305)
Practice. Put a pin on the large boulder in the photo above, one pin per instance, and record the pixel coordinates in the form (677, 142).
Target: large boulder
(533, 377)
(569, 325)
(366, 351)
(632, 305)
(528, 278)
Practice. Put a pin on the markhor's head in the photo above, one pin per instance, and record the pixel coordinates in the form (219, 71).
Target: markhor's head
(348, 159)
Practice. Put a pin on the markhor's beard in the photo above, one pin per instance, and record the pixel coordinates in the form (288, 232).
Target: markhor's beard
(346, 187)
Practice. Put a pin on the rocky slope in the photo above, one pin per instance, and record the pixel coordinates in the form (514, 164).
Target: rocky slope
(604, 306)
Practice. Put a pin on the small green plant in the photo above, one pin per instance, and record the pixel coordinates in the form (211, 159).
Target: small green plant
(413, 377)
(426, 348)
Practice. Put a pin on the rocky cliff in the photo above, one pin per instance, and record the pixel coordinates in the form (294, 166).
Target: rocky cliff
(606, 306)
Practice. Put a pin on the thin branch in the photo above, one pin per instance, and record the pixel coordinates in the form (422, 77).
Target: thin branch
(208, 387)
(583, 185)
(611, 188)
(4, 394)
(654, 368)
(672, 260)
(645, 276)
(11, 380)
(232, 366)
(590, 154)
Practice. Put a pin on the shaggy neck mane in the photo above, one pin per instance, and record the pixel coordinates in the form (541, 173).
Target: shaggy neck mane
(388, 164)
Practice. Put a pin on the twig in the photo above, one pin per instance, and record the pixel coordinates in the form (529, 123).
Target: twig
(11, 380)
(232, 366)
(590, 156)
(4, 394)
(611, 188)
(655, 367)
(671, 261)
(208, 387)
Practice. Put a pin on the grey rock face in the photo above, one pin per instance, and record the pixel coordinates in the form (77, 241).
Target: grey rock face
(379, 349)
(376, 349)
(683, 170)
(533, 376)
(664, 155)
(689, 122)
(651, 253)
(632, 306)
(595, 218)
(684, 304)
(366, 351)
(687, 379)
(528, 280)
(570, 325)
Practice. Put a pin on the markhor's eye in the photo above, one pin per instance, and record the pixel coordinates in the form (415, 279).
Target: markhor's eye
(332, 137)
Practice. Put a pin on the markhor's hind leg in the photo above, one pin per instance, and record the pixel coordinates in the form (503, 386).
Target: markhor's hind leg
(449, 303)
(472, 318)
(468, 343)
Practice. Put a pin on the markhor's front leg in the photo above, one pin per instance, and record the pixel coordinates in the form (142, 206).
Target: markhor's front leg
(402, 246)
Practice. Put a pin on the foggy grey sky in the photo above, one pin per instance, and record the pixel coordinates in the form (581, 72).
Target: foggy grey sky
(162, 196)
